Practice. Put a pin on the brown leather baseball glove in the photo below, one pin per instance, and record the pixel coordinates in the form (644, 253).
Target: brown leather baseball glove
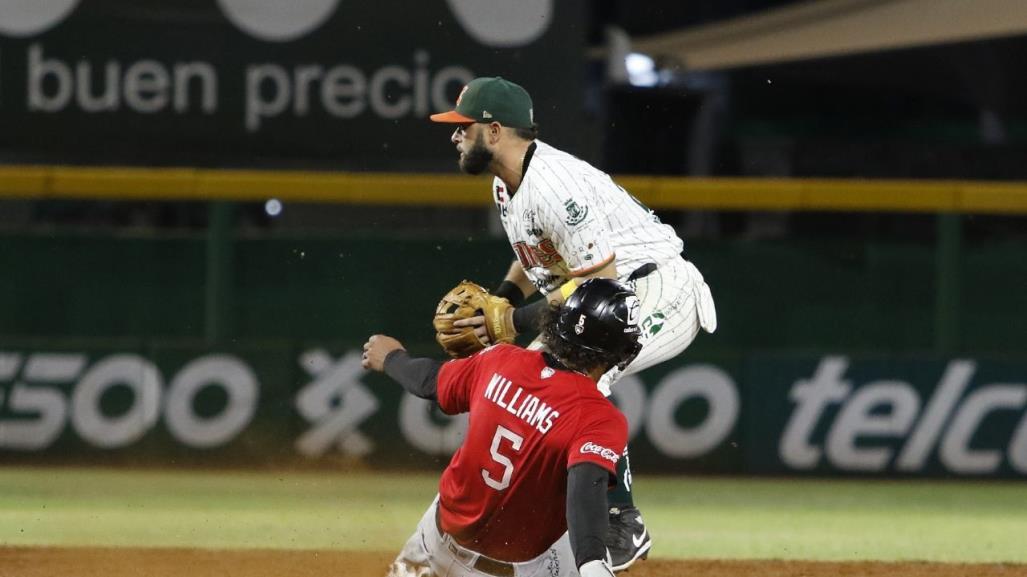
(464, 301)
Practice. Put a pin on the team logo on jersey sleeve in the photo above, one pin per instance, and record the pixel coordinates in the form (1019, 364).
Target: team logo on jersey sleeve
(575, 213)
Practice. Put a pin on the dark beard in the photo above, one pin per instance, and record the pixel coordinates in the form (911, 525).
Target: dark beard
(477, 159)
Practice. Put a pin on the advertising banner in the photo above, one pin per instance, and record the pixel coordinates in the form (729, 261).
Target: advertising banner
(836, 414)
(268, 405)
(321, 83)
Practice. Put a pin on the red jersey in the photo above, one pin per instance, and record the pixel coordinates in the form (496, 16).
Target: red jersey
(504, 492)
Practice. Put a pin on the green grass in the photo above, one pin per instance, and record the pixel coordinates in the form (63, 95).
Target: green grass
(210, 509)
(689, 517)
(837, 520)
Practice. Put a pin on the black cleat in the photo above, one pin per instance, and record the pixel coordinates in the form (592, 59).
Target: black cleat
(628, 539)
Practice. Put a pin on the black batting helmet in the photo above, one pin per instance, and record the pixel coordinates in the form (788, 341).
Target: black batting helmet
(601, 315)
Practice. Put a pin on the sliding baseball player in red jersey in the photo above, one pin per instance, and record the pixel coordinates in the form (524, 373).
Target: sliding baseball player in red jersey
(567, 221)
(526, 494)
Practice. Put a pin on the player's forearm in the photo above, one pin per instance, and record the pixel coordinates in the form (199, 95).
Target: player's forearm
(527, 317)
(587, 511)
(516, 286)
(419, 376)
(560, 295)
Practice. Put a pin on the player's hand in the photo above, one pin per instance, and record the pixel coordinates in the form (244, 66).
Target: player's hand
(478, 324)
(376, 349)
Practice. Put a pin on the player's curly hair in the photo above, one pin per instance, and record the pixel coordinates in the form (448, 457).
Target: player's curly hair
(572, 356)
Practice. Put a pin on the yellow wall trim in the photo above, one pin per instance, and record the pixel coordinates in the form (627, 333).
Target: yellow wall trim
(123, 183)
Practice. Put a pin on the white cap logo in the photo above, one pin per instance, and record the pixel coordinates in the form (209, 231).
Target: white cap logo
(580, 327)
(22, 18)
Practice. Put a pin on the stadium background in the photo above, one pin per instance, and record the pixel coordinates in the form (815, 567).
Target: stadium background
(206, 207)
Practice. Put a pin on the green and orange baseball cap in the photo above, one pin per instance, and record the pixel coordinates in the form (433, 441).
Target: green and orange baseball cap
(491, 99)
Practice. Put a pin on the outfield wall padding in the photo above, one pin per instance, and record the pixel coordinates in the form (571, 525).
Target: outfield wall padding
(822, 364)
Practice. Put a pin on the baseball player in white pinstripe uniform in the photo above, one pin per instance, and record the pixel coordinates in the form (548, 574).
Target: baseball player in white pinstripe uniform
(567, 221)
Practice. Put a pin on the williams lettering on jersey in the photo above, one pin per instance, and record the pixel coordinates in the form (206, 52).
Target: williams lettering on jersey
(528, 424)
(528, 407)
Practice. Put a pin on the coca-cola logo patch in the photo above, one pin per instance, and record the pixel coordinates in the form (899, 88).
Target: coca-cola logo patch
(594, 449)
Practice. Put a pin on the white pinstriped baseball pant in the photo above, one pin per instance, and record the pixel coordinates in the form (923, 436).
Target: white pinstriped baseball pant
(676, 303)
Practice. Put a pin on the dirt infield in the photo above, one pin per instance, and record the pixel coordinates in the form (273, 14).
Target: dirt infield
(127, 562)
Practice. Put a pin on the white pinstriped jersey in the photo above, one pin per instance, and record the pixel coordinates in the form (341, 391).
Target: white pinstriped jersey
(569, 218)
